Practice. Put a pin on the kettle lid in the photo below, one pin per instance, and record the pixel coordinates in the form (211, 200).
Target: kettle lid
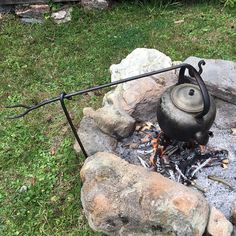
(187, 97)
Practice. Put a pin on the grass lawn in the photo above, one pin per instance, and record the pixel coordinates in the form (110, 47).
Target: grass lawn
(41, 61)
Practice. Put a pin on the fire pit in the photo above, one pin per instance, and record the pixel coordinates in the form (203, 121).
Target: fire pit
(209, 171)
(135, 175)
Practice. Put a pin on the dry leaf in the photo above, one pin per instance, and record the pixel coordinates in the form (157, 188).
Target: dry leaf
(225, 161)
(233, 131)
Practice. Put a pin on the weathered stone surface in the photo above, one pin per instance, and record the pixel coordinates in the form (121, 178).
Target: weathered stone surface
(32, 11)
(62, 16)
(219, 76)
(233, 213)
(218, 225)
(225, 115)
(31, 21)
(112, 121)
(93, 139)
(89, 112)
(94, 4)
(139, 61)
(137, 98)
(124, 199)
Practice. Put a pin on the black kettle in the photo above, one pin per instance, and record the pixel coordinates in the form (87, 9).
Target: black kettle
(186, 111)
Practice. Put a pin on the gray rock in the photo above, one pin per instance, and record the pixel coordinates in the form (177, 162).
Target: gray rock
(23, 189)
(113, 121)
(93, 139)
(226, 115)
(219, 76)
(94, 4)
(31, 21)
(62, 16)
(123, 199)
(218, 225)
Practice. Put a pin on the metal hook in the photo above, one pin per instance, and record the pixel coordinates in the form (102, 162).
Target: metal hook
(29, 108)
(200, 64)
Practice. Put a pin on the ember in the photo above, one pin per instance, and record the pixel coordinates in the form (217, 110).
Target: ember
(179, 161)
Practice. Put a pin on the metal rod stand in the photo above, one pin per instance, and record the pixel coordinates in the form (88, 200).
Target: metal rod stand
(62, 101)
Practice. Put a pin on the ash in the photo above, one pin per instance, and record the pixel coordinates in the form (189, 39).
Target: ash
(210, 170)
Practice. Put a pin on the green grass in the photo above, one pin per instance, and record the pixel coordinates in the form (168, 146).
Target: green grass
(41, 61)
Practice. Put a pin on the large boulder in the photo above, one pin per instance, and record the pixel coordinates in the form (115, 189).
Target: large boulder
(225, 115)
(139, 98)
(219, 76)
(139, 61)
(123, 199)
(112, 121)
(93, 139)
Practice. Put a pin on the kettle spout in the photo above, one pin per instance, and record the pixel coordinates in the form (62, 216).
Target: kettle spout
(202, 138)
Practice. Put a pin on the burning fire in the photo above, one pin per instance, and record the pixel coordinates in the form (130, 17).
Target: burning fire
(179, 161)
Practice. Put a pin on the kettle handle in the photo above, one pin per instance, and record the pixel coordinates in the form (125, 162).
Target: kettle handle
(194, 73)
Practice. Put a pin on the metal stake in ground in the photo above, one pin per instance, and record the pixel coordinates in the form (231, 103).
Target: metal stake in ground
(62, 98)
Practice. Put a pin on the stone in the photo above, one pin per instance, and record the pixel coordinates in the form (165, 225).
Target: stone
(233, 213)
(124, 199)
(139, 61)
(94, 4)
(219, 76)
(62, 16)
(137, 98)
(112, 121)
(31, 21)
(89, 112)
(32, 11)
(225, 115)
(93, 139)
(23, 189)
(218, 225)
(175, 63)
